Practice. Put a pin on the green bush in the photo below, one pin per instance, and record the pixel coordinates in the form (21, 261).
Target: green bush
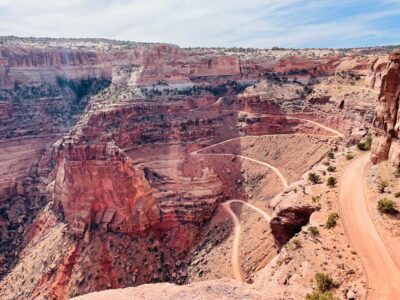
(383, 184)
(313, 230)
(331, 169)
(296, 243)
(324, 282)
(314, 178)
(331, 182)
(331, 155)
(387, 206)
(331, 221)
(349, 156)
(317, 295)
(365, 146)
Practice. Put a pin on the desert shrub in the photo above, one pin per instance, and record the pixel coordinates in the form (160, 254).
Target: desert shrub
(317, 295)
(397, 172)
(365, 146)
(296, 243)
(331, 169)
(397, 195)
(383, 184)
(349, 156)
(331, 221)
(324, 282)
(313, 230)
(387, 206)
(331, 155)
(341, 105)
(331, 182)
(314, 178)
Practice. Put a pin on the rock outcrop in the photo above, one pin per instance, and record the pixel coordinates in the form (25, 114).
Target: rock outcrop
(387, 119)
(98, 184)
(288, 222)
(141, 165)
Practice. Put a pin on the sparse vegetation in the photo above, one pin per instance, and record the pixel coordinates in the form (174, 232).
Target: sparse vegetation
(397, 172)
(397, 195)
(365, 146)
(331, 169)
(313, 230)
(324, 282)
(317, 295)
(276, 48)
(387, 206)
(296, 244)
(332, 220)
(383, 184)
(331, 182)
(314, 178)
(331, 155)
(349, 156)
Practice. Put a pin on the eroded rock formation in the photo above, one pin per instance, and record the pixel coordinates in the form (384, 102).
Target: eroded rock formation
(127, 194)
(98, 184)
(387, 119)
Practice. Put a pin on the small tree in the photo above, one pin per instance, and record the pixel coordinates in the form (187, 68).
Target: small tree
(331, 155)
(331, 221)
(331, 182)
(349, 156)
(314, 178)
(387, 206)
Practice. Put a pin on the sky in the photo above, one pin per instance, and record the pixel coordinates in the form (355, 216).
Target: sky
(210, 23)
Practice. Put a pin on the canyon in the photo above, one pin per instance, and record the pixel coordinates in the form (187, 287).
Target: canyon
(148, 171)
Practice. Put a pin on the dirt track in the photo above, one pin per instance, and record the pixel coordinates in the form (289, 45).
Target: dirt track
(382, 272)
(236, 239)
(226, 205)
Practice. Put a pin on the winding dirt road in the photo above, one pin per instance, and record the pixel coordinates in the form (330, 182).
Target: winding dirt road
(237, 228)
(277, 172)
(336, 133)
(226, 205)
(382, 272)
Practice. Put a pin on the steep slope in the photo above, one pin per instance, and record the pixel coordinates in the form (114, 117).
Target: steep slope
(386, 123)
(154, 139)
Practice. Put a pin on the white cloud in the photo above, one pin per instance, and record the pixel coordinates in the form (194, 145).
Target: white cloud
(253, 23)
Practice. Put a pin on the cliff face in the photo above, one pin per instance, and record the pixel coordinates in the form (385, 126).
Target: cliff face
(99, 185)
(387, 119)
(36, 66)
(131, 194)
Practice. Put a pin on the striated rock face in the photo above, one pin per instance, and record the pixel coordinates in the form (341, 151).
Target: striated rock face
(387, 119)
(98, 184)
(32, 66)
(128, 194)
